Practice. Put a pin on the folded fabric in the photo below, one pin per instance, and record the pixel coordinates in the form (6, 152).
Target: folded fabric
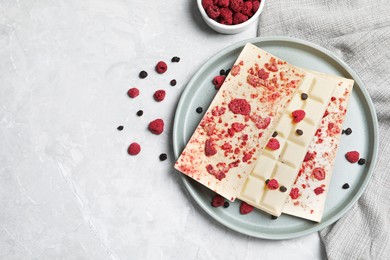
(359, 33)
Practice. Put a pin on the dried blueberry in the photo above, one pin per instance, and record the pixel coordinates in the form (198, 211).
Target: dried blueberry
(163, 157)
(346, 186)
(348, 131)
(222, 72)
(274, 217)
(143, 74)
(361, 161)
(226, 204)
(140, 113)
(304, 96)
(299, 132)
(120, 128)
(175, 59)
(173, 82)
(199, 110)
(283, 189)
(275, 134)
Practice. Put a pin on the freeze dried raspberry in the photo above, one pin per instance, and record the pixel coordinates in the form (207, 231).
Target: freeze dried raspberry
(236, 5)
(352, 156)
(223, 3)
(318, 173)
(272, 184)
(161, 67)
(209, 148)
(263, 74)
(133, 92)
(218, 81)
(225, 17)
(247, 9)
(261, 123)
(217, 201)
(235, 70)
(207, 3)
(298, 115)
(273, 144)
(240, 106)
(159, 95)
(309, 156)
(239, 18)
(134, 149)
(294, 193)
(255, 6)
(156, 126)
(245, 208)
(213, 11)
(318, 190)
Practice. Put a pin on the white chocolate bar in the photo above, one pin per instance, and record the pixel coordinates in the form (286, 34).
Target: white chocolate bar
(284, 163)
(308, 196)
(236, 127)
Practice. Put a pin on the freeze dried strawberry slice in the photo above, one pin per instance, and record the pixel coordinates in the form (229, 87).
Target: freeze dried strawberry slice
(209, 148)
(240, 106)
(263, 74)
(319, 173)
(309, 156)
(245, 208)
(352, 156)
(238, 127)
(319, 190)
(235, 70)
(260, 122)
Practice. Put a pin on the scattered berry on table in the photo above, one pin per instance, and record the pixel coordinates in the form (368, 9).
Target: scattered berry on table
(161, 67)
(175, 59)
(120, 128)
(163, 157)
(173, 82)
(143, 74)
(199, 110)
(140, 113)
(217, 201)
(352, 156)
(134, 149)
(133, 92)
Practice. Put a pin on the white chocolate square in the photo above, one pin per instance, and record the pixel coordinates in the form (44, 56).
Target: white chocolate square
(322, 92)
(314, 111)
(284, 125)
(293, 154)
(308, 130)
(306, 83)
(285, 174)
(253, 189)
(264, 168)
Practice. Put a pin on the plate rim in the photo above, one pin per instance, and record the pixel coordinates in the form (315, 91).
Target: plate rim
(186, 180)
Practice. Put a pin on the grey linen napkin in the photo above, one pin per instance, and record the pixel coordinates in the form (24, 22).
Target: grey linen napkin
(359, 33)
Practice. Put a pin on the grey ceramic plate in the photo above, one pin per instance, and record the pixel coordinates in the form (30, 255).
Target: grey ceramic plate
(361, 118)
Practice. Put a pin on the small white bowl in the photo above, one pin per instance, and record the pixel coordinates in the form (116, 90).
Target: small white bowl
(229, 29)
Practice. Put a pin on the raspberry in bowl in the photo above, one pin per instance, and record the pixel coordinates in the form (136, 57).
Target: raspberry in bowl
(230, 16)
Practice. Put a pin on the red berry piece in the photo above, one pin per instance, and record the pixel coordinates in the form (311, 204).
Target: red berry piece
(255, 6)
(273, 184)
(209, 148)
(240, 106)
(273, 144)
(239, 18)
(309, 156)
(223, 3)
(217, 201)
(319, 173)
(207, 3)
(226, 17)
(218, 81)
(298, 115)
(247, 9)
(236, 5)
(261, 123)
(161, 67)
(352, 156)
(213, 11)
(294, 193)
(319, 190)
(133, 92)
(245, 208)
(159, 95)
(156, 126)
(134, 149)
(263, 74)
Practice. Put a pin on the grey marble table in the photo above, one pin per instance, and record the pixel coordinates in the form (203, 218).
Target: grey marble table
(68, 188)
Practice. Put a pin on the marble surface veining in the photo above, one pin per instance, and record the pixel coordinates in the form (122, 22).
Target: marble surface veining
(68, 189)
